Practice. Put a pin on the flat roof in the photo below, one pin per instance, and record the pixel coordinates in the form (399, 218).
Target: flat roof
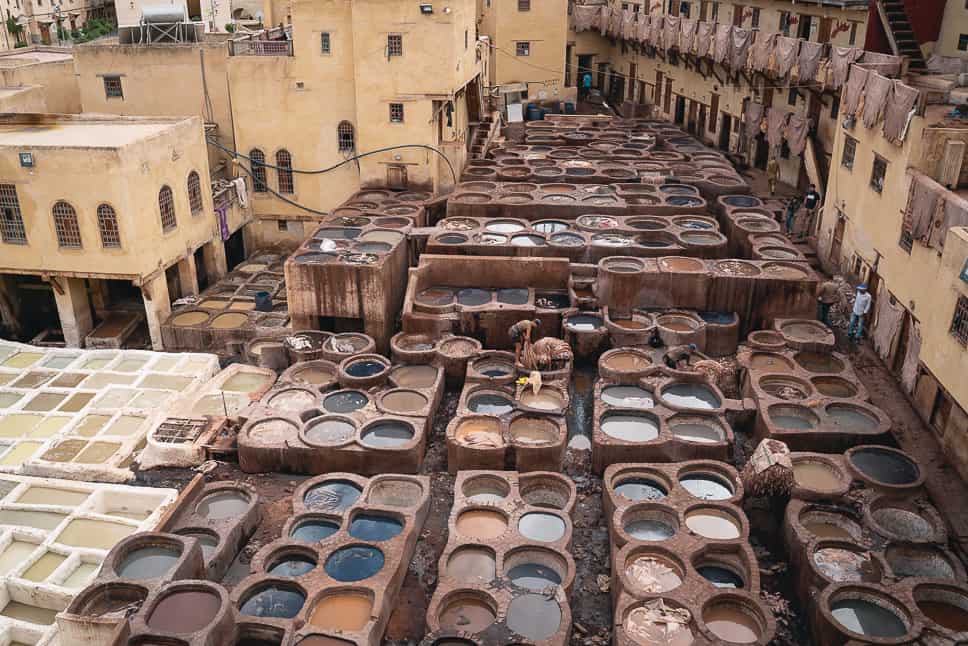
(33, 56)
(65, 133)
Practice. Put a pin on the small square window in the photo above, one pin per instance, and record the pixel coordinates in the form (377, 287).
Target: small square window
(524, 5)
(755, 22)
(325, 44)
(878, 171)
(396, 113)
(395, 45)
(847, 158)
(906, 242)
(522, 48)
(963, 42)
(282, 225)
(112, 87)
(959, 322)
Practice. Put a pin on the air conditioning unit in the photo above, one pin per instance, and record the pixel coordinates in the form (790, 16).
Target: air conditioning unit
(949, 166)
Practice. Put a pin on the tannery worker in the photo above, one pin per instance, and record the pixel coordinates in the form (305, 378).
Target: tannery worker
(772, 174)
(862, 305)
(828, 293)
(520, 334)
(678, 357)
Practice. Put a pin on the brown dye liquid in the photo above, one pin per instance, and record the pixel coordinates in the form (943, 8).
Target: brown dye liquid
(479, 432)
(346, 611)
(404, 401)
(676, 325)
(816, 476)
(273, 431)
(232, 320)
(544, 400)
(65, 451)
(771, 363)
(481, 524)
(471, 565)
(184, 611)
(627, 362)
(315, 375)
(712, 524)
(731, 625)
(415, 376)
(322, 640)
(945, 614)
(468, 615)
(28, 613)
(680, 264)
(828, 531)
(190, 318)
(76, 403)
(630, 324)
(529, 430)
(97, 452)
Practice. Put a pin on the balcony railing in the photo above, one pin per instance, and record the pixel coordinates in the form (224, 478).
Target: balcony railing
(247, 47)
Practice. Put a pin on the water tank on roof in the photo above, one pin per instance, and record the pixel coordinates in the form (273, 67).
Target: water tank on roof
(164, 13)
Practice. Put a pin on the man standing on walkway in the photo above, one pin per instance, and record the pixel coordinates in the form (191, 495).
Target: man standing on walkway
(828, 293)
(862, 305)
(810, 202)
(791, 214)
(586, 85)
(772, 174)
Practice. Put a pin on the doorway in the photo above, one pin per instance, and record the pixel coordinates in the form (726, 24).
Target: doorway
(761, 152)
(680, 110)
(837, 243)
(200, 273)
(234, 250)
(585, 65)
(725, 132)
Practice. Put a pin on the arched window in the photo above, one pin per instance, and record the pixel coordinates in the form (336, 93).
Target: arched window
(258, 159)
(194, 193)
(345, 137)
(66, 226)
(284, 163)
(107, 224)
(166, 204)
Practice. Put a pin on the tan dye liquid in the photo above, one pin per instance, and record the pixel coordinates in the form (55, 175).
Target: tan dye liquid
(245, 382)
(131, 365)
(65, 451)
(45, 401)
(404, 401)
(91, 424)
(44, 567)
(213, 304)
(479, 432)
(229, 321)
(130, 515)
(712, 524)
(50, 427)
(96, 363)
(164, 364)
(97, 452)
(816, 476)
(190, 318)
(630, 324)
(342, 612)
(45, 520)
(126, 425)
(68, 380)
(94, 534)
(18, 424)
(52, 496)
(15, 554)
(627, 362)
(544, 400)
(166, 382)
(19, 453)
(481, 524)
(676, 325)
(76, 402)
(242, 306)
(29, 614)
(81, 576)
(828, 530)
(731, 625)
(9, 399)
(315, 376)
(415, 376)
(33, 379)
(529, 430)
(102, 379)
(22, 360)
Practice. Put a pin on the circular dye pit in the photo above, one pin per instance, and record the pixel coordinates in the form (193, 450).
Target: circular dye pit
(189, 318)
(530, 569)
(627, 361)
(783, 387)
(354, 563)
(885, 466)
(707, 486)
(920, 561)
(273, 431)
(627, 397)
(630, 427)
(437, 296)
(696, 431)
(583, 322)
(867, 618)
(292, 565)
(652, 526)
(841, 564)
(731, 623)
(904, 524)
(479, 432)
(513, 296)
(567, 239)
(714, 524)
(493, 368)
(472, 565)
(345, 401)
(486, 489)
(387, 435)
(834, 387)
(472, 297)
(550, 226)
(490, 404)
(342, 611)
(546, 399)
(395, 492)
(720, 577)
(946, 607)
(223, 504)
(375, 528)
(467, 613)
(770, 362)
(404, 401)
(148, 562)
(184, 611)
(209, 542)
(534, 616)
(533, 431)
(481, 524)
(641, 489)
(275, 600)
(853, 419)
(332, 495)
(329, 431)
(817, 475)
(788, 417)
(691, 396)
(230, 320)
(292, 400)
(414, 376)
(818, 362)
(830, 525)
(313, 531)
(365, 368)
(653, 573)
(542, 527)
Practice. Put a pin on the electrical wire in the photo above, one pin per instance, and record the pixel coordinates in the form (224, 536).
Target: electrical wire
(282, 197)
(321, 171)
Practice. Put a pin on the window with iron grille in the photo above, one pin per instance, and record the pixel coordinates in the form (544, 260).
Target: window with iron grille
(166, 205)
(522, 48)
(755, 20)
(847, 158)
(325, 46)
(107, 224)
(258, 159)
(525, 5)
(345, 137)
(284, 171)
(959, 323)
(12, 229)
(395, 45)
(906, 241)
(878, 171)
(396, 112)
(112, 87)
(194, 193)
(66, 226)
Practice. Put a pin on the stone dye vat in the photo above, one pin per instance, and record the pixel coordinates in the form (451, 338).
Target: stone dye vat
(874, 565)
(375, 422)
(648, 412)
(588, 239)
(500, 423)
(507, 572)
(339, 567)
(353, 268)
(55, 535)
(683, 571)
(224, 318)
(84, 414)
(809, 399)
